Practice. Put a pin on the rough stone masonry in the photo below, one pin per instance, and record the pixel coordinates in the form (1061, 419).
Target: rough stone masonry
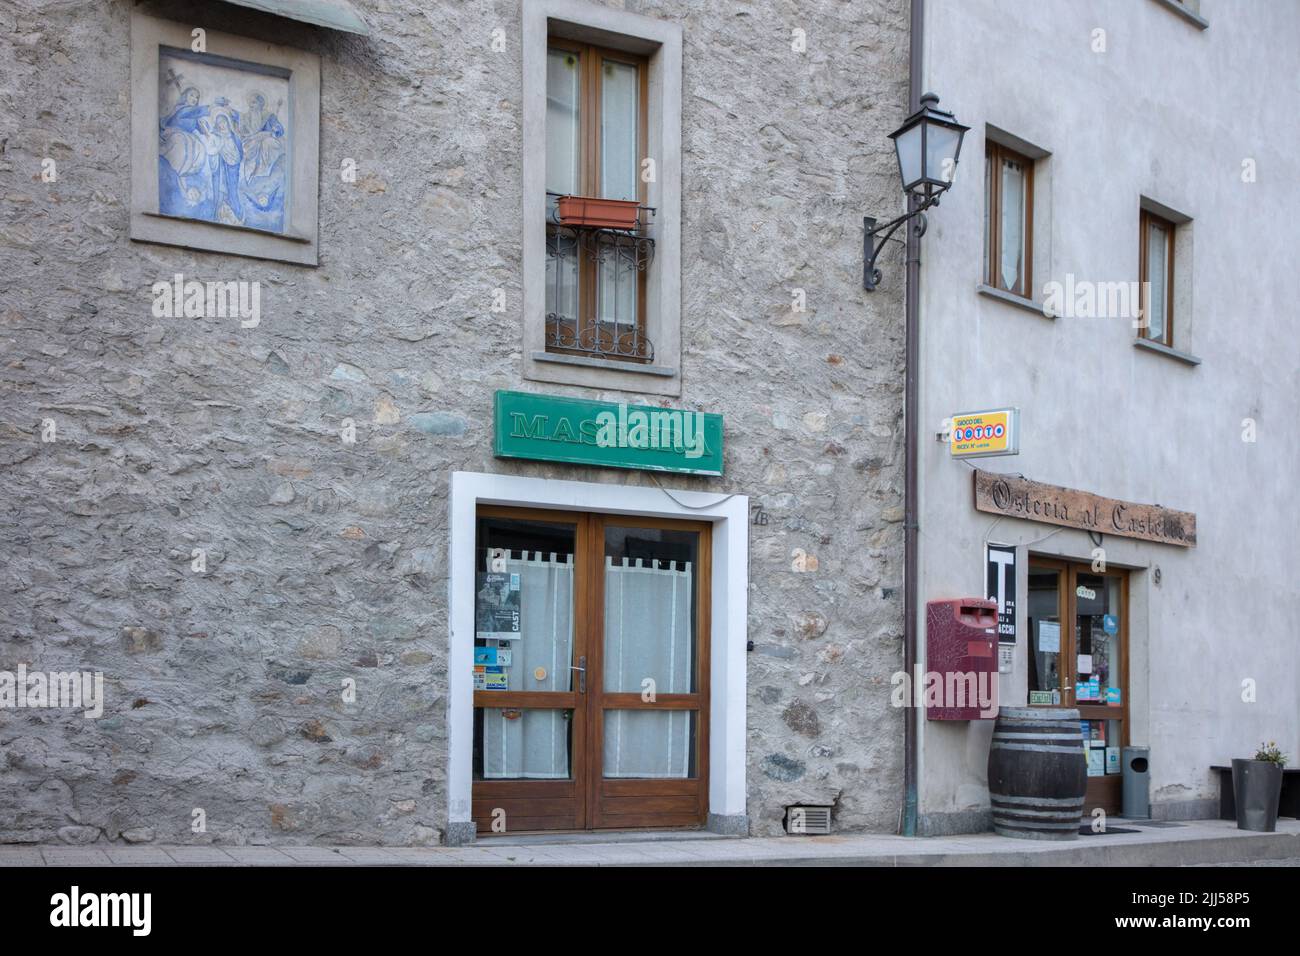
(192, 526)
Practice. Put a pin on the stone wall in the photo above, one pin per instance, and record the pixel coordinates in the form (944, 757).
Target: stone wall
(326, 561)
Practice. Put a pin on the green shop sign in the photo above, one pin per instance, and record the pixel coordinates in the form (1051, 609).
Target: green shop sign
(612, 434)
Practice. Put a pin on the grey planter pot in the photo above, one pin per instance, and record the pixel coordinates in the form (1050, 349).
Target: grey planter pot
(1256, 787)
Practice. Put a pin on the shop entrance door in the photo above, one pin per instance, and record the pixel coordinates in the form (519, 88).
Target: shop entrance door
(591, 671)
(1078, 626)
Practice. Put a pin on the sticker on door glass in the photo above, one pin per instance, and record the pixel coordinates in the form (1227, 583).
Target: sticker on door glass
(1088, 690)
(1096, 762)
(1049, 637)
(1112, 760)
(491, 678)
(493, 656)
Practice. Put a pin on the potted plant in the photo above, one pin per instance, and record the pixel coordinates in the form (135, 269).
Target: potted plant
(1256, 787)
(599, 213)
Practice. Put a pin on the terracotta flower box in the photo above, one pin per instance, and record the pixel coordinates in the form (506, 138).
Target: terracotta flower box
(600, 213)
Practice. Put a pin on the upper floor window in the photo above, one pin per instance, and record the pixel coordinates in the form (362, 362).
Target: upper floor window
(597, 237)
(1156, 275)
(602, 185)
(1008, 220)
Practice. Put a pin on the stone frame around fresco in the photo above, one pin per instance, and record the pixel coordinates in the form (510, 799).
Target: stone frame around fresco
(298, 243)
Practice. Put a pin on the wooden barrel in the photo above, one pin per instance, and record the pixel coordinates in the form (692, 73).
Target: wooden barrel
(1037, 773)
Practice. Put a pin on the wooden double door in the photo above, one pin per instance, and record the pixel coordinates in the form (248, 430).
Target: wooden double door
(1078, 657)
(591, 671)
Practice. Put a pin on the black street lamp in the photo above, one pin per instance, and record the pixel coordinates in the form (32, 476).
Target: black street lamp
(928, 144)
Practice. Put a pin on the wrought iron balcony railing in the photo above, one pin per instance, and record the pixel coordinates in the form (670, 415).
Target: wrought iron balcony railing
(595, 292)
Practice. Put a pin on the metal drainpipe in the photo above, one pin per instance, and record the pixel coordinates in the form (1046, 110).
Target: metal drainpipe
(911, 437)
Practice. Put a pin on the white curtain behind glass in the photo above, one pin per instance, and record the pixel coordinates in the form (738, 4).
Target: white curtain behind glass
(1013, 223)
(562, 125)
(1157, 274)
(617, 280)
(536, 743)
(648, 633)
(619, 115)
(989, 182)
(562, 121)
(619, 122)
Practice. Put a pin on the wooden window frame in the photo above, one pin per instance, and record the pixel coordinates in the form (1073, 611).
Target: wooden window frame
(1145, 221)
(994, 154)
(590, 60)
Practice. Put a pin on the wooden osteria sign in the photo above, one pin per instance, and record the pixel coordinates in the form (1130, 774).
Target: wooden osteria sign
(1052, 504)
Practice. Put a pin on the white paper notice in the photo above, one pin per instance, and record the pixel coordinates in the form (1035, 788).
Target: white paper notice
(1049, 637)
(1085, 663)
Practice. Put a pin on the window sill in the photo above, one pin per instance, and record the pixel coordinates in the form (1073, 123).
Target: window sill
(1193, 18)
(1019, 301)
(607, 364)
(1178, 356)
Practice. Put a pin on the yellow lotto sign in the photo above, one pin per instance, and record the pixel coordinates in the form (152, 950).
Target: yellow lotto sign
(985, 434)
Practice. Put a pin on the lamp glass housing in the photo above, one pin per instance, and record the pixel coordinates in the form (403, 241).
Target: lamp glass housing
(928, 145)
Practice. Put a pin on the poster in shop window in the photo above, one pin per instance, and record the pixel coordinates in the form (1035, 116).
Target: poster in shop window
(496, 608)
(1001, 587)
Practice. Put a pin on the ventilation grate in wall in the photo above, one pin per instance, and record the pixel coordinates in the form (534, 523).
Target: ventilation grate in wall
(808, 820)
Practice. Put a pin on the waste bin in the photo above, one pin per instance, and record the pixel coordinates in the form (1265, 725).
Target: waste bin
(1136, 804)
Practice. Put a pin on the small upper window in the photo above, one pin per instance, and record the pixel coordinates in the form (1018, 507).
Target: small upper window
(1156, 275)
(597, 238)
(1008, 220)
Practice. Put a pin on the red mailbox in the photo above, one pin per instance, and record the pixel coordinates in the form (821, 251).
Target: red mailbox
(961, 659)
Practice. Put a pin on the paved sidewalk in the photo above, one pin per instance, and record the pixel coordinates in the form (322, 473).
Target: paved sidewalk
(1187, 844)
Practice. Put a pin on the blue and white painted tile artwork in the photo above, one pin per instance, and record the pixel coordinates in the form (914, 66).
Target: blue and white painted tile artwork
(223, 143)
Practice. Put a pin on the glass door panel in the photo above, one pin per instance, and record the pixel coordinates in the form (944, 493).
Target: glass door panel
(524, 606)
(650, 584)
(529, 726)
(511, 743)
(1046, 677)
(649, 648)
(649, 701)
(1097, 640)
(1097, 662)
(649, 744)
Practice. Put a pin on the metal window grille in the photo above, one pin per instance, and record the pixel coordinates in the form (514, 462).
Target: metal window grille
(607, 265)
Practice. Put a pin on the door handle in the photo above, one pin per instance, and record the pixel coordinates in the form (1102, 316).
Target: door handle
(581, 668)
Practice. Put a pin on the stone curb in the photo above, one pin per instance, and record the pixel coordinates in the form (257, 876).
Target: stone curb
(1192, 850)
